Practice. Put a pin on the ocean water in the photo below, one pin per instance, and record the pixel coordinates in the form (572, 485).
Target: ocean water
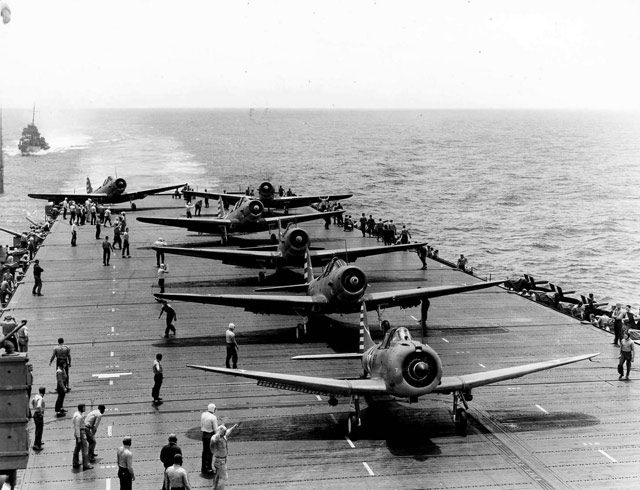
(552, 194)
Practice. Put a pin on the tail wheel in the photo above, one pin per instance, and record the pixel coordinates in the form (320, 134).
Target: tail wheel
(461, 422)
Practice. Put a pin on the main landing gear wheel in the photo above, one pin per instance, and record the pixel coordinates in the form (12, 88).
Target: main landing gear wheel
(301, 331)
(461, 422)
(262, 277)
(274, 238)
(133, 206)
(352, 424)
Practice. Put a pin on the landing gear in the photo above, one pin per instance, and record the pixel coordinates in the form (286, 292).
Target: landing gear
(133, 206)
(262, 277)
(354, 420)
(460, 417)
(301, 330)
(274, 238)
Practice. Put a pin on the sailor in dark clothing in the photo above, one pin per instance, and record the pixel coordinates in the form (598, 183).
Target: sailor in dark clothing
(168, 452)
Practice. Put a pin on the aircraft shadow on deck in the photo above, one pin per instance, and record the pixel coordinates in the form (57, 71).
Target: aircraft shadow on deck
(340, 337)
(534, 421)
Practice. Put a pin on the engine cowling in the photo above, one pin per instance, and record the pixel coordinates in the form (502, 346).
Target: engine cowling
(121, 184)
(266, 191)
(254, 210)
(296, 242)
(415, 369)
(350, 284)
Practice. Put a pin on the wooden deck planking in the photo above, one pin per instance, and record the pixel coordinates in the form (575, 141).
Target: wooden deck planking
(290, 440)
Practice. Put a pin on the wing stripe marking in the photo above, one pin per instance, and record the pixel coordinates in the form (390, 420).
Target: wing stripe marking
(368, 468)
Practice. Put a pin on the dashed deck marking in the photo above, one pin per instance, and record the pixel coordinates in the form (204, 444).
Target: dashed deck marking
(607, 456)
(110, 375)
(110, 431)
(445, 340)
(111, 354)
(350, 442)
(482, 365)
(108, 484)
(366, 466)
(541, 409)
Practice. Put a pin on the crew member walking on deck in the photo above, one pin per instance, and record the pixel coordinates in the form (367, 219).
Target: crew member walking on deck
(232, 347)
(220, 450)
(74, 235)
(627, 354)
(171, 315)
(157, 380)
(175, 476)
(61, 390)
(125, 464)
(160, 242)
(62, 355)
(37, 277)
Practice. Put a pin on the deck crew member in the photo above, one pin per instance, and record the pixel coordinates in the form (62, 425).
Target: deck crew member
(232, 347)
(106, 251)
(171, 315)
(160, 242)
(167, 454)
(62, 355)
(157, 380)
(37, 277)
(627, 354)
(618, 317)
(175, 477)
(80, 432)
(220, 450)
(208, 426)
(92, 421)
(125, 464)
(162, 271)
(37, 411)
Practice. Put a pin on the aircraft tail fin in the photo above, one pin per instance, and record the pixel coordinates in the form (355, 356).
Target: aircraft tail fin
(366, 341)
(308, 269)
(89, 188)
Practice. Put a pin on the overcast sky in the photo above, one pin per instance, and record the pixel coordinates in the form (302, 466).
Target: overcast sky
(322, 54)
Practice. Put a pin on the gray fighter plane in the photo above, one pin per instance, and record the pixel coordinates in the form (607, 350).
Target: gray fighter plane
(399, 367)
(246, 216)
(112, 191)
(339, 289)
(267, 196)
(288, 252)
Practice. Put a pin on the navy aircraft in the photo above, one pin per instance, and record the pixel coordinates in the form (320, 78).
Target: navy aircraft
(267, 196)
(112, 191)
(246, 216)
(339, 289)
(288, 252)
(399, 367)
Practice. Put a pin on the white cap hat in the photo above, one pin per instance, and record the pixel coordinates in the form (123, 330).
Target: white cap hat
(212, 407)
(232, 325)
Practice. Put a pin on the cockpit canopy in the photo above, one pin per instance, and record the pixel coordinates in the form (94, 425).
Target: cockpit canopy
(336, 263)
(396, 336)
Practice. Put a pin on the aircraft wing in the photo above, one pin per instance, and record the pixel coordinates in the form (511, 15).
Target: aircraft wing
(58, 198)
(256, 303)
(321, 257)
(469, 381)
(299, 201)
(226, 198)
(209, 225)
(412, 297)
(246, 258)
(132, 196)
(306, 384)
(298, 218)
